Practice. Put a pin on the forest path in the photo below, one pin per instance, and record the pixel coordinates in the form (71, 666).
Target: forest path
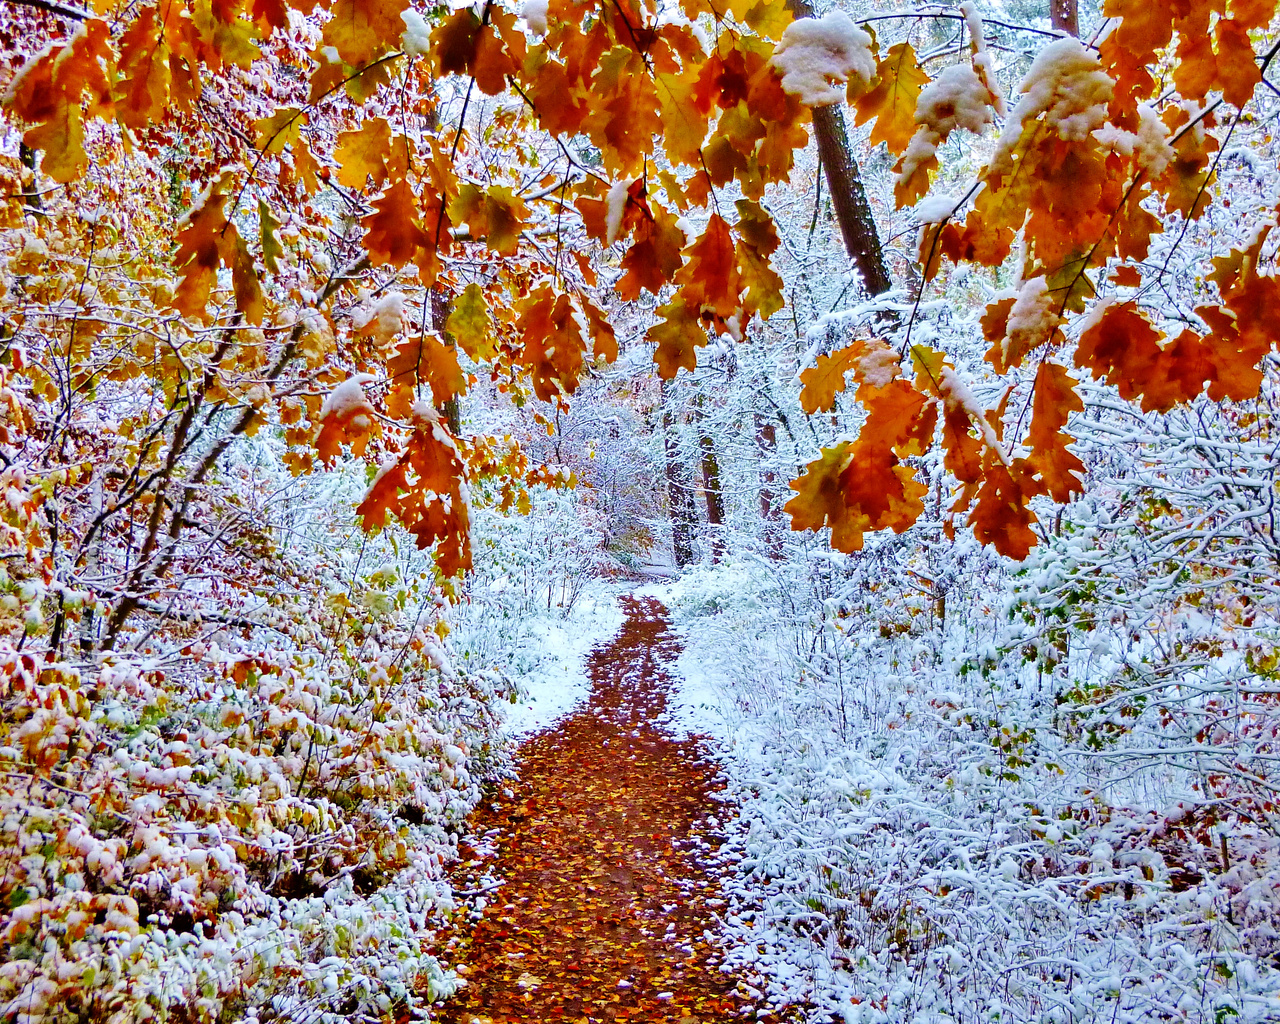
(602, 850)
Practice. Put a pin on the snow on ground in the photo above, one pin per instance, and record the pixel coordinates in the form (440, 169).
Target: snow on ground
(556, 681)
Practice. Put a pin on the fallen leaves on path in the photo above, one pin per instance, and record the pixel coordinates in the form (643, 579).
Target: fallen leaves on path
(607, 905)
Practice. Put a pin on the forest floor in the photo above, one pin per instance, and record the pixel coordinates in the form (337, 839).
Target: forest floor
(600, 861)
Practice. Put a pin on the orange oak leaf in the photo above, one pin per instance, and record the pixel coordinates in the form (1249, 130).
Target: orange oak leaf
(561, 104)
(464, 45)
(206, 241)
(861, 486)
(497, 215)
(604, 342)
(1122, 347)
(423, 359)
(345, 418)
(552, 346)
(363, 154)
(424, 489)
(50, 91)
(361, 30)
(757, 239)
(654, 258)
(677, 336)
(393, 233)
(819, 499)
(623, 121)
(1055, 399)
(1000, 516)
(821, 382)
(964, 450)
(709, 282)
(684, 124)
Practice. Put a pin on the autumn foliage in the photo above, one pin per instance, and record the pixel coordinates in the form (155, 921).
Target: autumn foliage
(285, 220)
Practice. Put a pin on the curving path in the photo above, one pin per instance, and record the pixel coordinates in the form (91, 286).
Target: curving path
(607, 902)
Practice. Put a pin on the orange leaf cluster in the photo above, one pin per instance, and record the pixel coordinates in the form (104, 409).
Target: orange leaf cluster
(425, 490)
(862, 485)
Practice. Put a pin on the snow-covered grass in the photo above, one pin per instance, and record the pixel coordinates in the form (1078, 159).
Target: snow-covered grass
(552, 679)
(914, 841)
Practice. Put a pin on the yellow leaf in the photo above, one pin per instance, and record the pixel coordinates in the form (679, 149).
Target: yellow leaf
(279, 130)
(892, 101)
(471, 325)
(361, 30)
(362, 154)
(272, 250)
(678, 336)
(820, 382)
(392, 232)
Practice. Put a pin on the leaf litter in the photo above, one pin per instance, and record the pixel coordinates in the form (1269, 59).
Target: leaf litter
(601, 888)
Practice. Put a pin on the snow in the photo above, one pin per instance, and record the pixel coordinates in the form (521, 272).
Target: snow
(1150, 143)
(982, 62)
(616, 208)
(348, 398)
(415, 41)
(381, 320)
(934, 209)
(817, 56)
(879, 365)
(957, 98)
(956, 394)
(923, 145)
(890, 828)
(1033, 318)
(557, 682)
(1066, 84)
(535, 16)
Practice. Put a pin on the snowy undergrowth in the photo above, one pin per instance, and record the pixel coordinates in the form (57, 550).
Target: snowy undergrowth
(915, 842)
(548, 661)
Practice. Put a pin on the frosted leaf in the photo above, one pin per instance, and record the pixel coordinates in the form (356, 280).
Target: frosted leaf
(924, 144)
(1033, 317)
(957, 395)
(1065, 84)
(983, 65)
(934, 209)
(957, 98)
(381, 320)
(347, 398)
(879, 366)
(615, 209)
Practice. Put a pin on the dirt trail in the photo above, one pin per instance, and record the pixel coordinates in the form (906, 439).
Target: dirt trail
(605, 897)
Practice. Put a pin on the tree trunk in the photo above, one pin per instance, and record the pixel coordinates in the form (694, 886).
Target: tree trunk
(848, 197)
(1065, 15)
(715, 500)
(679, 493)
(439, 317)
(770, 505)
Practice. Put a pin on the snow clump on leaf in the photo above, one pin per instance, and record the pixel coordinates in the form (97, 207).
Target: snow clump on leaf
(1067, 85)
(535, 16)
(957, 98)
(817, 56)
(416, 40)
